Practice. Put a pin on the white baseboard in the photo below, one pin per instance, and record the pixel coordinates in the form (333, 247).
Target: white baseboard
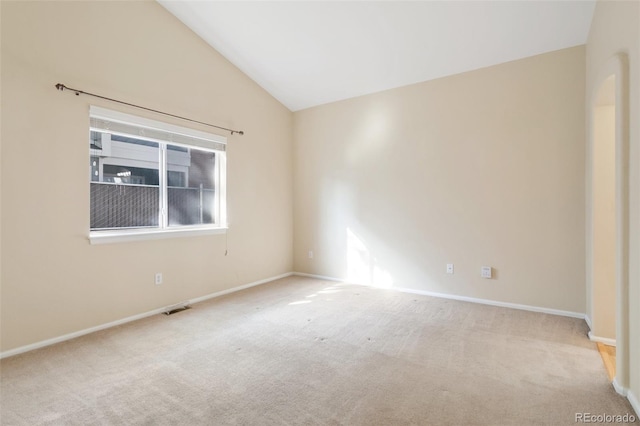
(605, 340)
(634, 402)
(53, 341)
(461, 298)
(238, 288)
(621, 390)
(321, 277)
(588, 321)
(497, 303)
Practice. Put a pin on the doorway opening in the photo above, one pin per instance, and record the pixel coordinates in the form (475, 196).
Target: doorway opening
(603, 184)
(608, 215)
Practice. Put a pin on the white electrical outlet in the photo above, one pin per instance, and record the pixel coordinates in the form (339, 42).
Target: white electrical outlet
(159, 278)
(449, 268)
(310, 254)
(485, 272)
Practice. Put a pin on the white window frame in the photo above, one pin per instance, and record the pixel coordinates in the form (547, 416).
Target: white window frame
(201, 140)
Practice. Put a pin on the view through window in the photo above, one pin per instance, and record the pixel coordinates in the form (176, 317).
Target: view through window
(142, 179)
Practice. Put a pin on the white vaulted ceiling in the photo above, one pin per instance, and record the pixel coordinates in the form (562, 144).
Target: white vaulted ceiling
(307, 53)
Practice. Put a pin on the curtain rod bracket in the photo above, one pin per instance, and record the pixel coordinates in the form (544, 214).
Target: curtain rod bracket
(61, 87)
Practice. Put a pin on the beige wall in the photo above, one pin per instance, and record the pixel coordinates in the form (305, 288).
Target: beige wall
(481, 168)
(616, 29)
(604, 226)
(53, 281)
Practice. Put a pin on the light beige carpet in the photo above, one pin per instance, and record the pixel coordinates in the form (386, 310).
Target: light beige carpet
(300, 351)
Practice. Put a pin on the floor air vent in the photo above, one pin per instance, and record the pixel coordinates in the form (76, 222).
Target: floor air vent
(175, 309)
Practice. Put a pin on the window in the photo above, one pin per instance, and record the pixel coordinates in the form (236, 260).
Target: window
(153, 178)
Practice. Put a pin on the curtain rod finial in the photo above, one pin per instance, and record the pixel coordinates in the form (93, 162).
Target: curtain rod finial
(60, 86)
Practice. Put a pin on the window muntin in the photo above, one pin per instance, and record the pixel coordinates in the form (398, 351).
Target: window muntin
(142, 183)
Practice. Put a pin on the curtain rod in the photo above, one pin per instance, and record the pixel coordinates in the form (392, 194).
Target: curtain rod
(62, 87)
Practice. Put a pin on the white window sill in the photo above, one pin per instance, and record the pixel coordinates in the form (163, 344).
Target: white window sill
(107, 237)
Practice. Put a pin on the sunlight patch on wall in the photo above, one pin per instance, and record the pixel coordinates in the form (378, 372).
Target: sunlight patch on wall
(362, 266)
